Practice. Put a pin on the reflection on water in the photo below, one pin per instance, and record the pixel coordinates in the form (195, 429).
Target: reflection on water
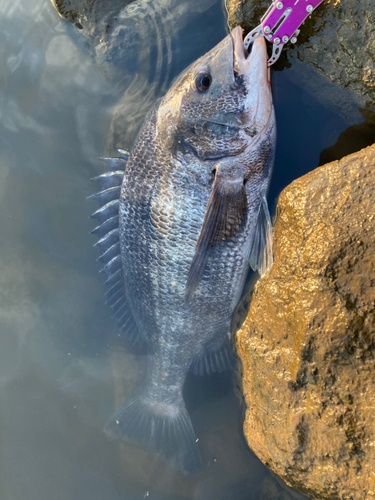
(63, 368)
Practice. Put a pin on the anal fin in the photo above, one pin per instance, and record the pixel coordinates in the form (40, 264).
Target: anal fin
(214, 361)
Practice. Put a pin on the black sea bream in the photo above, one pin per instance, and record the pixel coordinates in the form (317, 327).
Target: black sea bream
(191, 218)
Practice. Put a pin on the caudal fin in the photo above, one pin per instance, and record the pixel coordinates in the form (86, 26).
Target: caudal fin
(164, 429)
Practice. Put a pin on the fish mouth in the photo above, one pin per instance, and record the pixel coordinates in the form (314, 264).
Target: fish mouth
(244, 62)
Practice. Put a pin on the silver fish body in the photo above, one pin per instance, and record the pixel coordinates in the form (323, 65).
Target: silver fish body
(192, 218)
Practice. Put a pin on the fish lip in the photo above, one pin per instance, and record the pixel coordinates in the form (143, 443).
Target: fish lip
(252, 69)
(241, 60)
(239, 56)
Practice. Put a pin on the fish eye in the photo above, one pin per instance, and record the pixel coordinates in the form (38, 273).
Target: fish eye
(203, 81)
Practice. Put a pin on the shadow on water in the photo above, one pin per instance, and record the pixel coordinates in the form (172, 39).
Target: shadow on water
(63, 368)
(352, 139)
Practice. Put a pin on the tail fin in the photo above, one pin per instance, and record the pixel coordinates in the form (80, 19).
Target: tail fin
(164, 429)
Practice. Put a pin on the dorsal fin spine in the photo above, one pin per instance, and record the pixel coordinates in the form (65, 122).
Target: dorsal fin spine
(106, 211)
(109, 179)
(109, 242)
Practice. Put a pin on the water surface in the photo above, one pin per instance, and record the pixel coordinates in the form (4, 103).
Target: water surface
(63, 368)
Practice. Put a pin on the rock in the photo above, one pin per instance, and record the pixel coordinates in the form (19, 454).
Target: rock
(95, 16)
(338, 39)
(139, 47)
(272, 488)
(106, 30)
(308, 343)
(129, 38)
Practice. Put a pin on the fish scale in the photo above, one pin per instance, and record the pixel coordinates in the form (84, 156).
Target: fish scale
(192, 219)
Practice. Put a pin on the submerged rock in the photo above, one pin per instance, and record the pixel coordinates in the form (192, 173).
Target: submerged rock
(272, 488)
(139, 47)
(128, 38)
(308, 343)
(95, 16)
(338, 40)
(106, 29)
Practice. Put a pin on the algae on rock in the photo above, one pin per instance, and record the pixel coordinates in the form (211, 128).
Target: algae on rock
(308, 343)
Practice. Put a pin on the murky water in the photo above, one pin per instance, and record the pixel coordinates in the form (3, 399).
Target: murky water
(63, 369)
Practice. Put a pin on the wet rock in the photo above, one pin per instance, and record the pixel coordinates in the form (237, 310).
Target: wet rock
(353, 139)
(129, 38)
(106, 30)
(272, 488)
(308, 343)
(138, 46)
(92, 16)
(338, 40)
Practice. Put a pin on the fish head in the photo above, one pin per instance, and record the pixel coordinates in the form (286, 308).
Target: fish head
(221, 103)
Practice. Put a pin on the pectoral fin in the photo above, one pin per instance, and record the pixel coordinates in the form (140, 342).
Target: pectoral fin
(259, 251)
(222, 220)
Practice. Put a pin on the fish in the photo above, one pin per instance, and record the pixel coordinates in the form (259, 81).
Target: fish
(182, 218)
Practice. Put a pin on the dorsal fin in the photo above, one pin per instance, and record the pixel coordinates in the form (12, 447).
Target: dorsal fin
(107, 211)
(103, 197)
(110, 179)
(123, 154)
(109, 245)
(106, 227)
(114, 164)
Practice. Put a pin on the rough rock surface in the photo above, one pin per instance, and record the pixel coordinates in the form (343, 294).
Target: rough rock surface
(95, 16)
(107, 30)
(308, 343)
(338, 40)
(133, 37)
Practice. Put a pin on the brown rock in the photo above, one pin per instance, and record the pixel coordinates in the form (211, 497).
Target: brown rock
(308, 342)
(94, 16)
(338, 40)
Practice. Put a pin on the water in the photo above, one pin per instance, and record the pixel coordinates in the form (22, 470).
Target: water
(62, 368)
